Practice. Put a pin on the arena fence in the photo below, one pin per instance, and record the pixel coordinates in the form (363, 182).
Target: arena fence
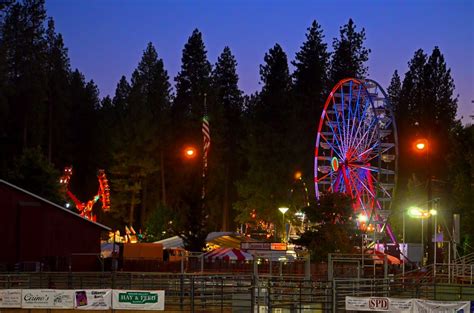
(241, 293)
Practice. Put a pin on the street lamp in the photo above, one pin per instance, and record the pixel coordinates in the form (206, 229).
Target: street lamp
(419, 213)
(190, 152)
(424, 146)
(421, 145)
(363, 218)
(283, 210)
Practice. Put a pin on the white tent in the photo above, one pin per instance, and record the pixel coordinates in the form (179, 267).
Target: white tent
(228, 254)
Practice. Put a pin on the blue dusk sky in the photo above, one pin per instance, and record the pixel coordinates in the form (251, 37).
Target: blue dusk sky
(106, 38)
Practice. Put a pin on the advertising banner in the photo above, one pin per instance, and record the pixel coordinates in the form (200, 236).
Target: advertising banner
(47, 299)
(138, 299)
(93, 299)
(427, 306)
(10, 298)
(379, 304)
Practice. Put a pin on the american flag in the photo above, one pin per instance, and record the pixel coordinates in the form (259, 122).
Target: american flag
(206, 140)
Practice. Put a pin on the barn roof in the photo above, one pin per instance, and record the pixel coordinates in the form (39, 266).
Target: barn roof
(53, 204)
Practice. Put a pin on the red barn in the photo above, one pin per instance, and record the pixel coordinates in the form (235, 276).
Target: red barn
(37, 234)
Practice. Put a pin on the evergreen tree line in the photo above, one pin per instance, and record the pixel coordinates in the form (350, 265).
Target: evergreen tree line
(425, 108)
(51, 117)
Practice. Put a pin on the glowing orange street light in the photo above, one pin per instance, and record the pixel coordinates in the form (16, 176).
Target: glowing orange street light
(421, 145)
(190, 152)
(298, 175)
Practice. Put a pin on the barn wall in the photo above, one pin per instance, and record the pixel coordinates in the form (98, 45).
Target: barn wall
(36, 231)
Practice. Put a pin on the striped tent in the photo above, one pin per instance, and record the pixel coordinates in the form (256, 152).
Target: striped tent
(228, 254)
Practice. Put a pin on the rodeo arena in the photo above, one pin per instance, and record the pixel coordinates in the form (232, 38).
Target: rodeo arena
(54, 258)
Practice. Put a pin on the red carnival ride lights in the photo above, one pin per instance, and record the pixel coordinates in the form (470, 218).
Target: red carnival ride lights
(85, 208)
(356, 150)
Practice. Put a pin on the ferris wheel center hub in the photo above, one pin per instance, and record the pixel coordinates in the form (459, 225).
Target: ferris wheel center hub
(335, 164)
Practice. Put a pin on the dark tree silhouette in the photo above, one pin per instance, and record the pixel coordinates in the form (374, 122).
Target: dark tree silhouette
(333, 229)
(309, 86)
(267, 146)
(350, 54)
(226, 130)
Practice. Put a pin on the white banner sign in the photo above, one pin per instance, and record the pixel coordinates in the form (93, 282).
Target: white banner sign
(427, 306)
(139, 299)
(379, 304)
(47, 299)
(10, 298)
(93, 299)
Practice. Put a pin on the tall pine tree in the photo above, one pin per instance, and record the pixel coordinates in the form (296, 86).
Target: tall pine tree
(193, 80)
(267, 146)
(310, 79)
(226, 131)
(58, 73)
(426, 109)
(394, 90)
(145, 105)
(192, 89)
(350, 55)
(82, 133)
(24, 45)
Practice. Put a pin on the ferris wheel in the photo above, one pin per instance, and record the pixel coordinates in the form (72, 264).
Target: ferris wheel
(356, 150)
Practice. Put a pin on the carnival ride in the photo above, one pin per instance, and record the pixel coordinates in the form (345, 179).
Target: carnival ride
(85, 208)
(356, 151)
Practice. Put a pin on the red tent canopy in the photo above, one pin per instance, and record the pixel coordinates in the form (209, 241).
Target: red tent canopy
(228, 254)
(390, 258)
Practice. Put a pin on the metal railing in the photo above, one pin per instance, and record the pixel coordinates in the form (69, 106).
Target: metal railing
(397, 288)
(192, 292)
(243, 293)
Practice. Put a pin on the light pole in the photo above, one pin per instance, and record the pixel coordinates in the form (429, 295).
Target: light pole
(420, 214)
(283, 210)
(435, 237)
(404, 245)
(423, 146)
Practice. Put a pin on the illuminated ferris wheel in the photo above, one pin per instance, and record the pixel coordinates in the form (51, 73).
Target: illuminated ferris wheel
(356, 150)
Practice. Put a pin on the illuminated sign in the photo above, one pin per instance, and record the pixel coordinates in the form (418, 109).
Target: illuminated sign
(278, 246)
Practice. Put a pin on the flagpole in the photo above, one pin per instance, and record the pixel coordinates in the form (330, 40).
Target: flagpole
(206, 145)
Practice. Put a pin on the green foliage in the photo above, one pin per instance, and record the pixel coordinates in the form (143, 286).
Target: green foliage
(394, 90)
(350, 55)
(141, 112)
(311, 66)
(461, 171)
(267, 146)
(24, 46)
(225, 114)
(192, 89)
(333, 227)
(258, 141)
(192, 82)
(58, 102)
(310, 80)
(158, 224)
(425, 107)
(32, 172)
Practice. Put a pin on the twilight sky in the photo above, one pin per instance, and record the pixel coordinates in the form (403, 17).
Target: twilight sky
(106, 38)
